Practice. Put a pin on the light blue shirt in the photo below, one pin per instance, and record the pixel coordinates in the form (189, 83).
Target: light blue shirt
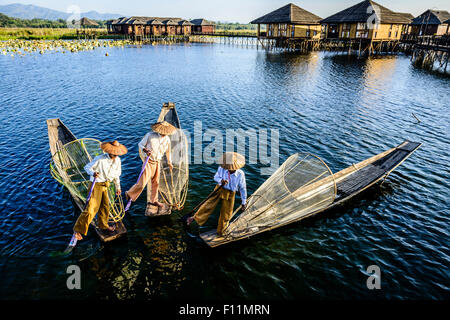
(236, 181)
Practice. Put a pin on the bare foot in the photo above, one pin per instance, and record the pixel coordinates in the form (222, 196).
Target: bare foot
(189, 220)
(78, 235)
(159, 204)
(112, 229)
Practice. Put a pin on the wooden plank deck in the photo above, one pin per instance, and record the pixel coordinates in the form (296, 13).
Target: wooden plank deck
(153, 211)
(363, 178)
(110, 236)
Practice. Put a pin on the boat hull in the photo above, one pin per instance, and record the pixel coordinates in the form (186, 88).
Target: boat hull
(59, 135)
(349, 182)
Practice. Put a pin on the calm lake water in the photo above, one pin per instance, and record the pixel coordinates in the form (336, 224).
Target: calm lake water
(342, 109)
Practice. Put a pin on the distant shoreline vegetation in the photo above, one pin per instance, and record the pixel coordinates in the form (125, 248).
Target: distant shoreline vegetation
(49, 34)
(33, 29)
(9, 22)
(234, 26)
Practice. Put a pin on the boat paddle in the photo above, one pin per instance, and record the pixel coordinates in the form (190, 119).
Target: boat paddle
(73, 240)
(139, 178)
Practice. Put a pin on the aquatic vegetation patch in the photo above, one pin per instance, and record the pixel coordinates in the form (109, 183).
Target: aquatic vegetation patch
(23, 47)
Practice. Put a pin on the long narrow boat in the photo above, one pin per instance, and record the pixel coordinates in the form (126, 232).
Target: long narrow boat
(304, 186)
(173, 184)
(69, 156)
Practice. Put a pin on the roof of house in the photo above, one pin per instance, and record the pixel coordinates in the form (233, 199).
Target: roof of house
(154, 22)
(290, 13)
(432, 17)
(121, 20)
(185, 23)
(363, 12)
(407, 15)
(171, 22)
(88, 22)
(137, 20)
(147, 20)
(202, 22)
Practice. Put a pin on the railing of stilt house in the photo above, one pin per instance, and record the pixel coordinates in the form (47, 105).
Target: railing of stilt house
(430, 41)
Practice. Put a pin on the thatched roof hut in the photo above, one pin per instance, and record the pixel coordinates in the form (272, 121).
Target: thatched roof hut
(289, 21)
(359, 13)
(432, 17)
(154, 22)
(153, 25)
(408, 16)
(202, 22)
(290, 14)
(185, 23)
(145, 21)
(86, 22)
(430, 23)
(203, 26)
(120, 21)
(171, 22)
(137, 21)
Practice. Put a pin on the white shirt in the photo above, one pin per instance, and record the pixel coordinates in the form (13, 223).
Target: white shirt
(107, 168)
(157, 144)
(236, 181)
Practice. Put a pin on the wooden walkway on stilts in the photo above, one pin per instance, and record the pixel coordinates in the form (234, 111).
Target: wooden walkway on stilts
(428, 52)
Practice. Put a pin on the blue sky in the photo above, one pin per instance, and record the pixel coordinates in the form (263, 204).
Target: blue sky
(224, 10)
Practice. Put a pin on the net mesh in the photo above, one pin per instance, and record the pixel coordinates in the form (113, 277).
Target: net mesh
(173, 184)
(303, 184)
(67, 167)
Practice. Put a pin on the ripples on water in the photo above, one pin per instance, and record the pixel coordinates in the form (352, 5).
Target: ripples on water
(341, 109)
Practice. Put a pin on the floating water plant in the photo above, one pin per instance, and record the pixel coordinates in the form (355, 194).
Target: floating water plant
(43, 46)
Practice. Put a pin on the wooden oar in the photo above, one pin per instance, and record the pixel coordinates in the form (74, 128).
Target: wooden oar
(73, 240)
(139, 178)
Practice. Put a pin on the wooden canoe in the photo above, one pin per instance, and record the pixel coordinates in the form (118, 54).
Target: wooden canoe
(349, 182)
(58, 136)
(173, 184)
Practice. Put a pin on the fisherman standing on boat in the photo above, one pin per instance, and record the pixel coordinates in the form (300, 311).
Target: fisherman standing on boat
(104, 169)
(154, 145)
(230, 178)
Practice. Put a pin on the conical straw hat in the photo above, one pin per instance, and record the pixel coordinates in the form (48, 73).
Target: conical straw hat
(232, 161)
(114, 147)
(164, 128)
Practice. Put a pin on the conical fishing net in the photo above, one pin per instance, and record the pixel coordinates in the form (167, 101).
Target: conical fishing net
(67, 167)
(173, 184)
(302, 185)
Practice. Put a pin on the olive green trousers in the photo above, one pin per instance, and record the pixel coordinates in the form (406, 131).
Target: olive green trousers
(226, 210)
(99, 203)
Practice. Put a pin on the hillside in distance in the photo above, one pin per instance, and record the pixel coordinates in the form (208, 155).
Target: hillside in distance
(23, 11)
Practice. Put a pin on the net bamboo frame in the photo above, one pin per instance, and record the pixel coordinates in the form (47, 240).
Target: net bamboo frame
(302, 185)
(67, 167)
(173, 184)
